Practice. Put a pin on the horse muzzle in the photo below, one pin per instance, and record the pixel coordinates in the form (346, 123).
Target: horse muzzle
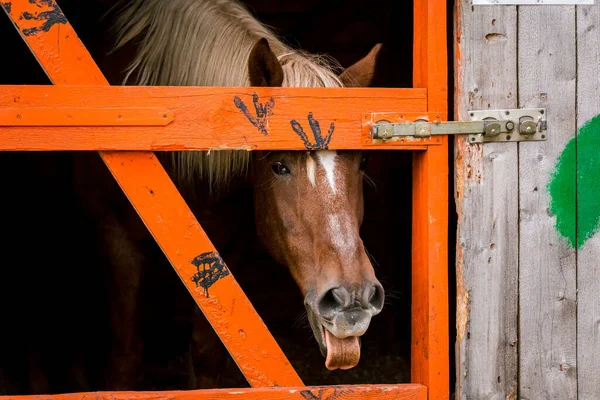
(338, 324)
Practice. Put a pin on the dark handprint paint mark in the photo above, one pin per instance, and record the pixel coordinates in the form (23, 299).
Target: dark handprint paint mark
(211, 268)
(263, 111)
(321, 394)
(321, 143)
(49, 18)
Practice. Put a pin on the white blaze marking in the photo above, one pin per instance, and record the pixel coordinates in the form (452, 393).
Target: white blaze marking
(341, 233)
(311, 170)
(327, 159)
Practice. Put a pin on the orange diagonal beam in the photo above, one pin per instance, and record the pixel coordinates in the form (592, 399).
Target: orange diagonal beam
(66, 61)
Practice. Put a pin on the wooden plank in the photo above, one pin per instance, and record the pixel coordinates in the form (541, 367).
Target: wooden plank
(204, 117)
(143, 180)
(588, 255)
(338, 392)
(486, 183)
(430, 54)
(430, 364)
(547, 263)
(430, 336)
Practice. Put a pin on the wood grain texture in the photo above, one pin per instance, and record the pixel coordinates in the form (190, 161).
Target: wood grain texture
(161, 207)
(358, 392)
(588, 258)
(486, 178)
(547, 264)
(204, 117)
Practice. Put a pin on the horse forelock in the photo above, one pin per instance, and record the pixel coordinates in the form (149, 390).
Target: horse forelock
(208, 43)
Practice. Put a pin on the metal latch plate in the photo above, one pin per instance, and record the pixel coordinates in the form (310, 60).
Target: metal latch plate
(522, 118)
(508, 125)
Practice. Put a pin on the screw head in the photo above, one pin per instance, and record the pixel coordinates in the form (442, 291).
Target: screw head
(510, 125)
(507, 137)
(507, 112)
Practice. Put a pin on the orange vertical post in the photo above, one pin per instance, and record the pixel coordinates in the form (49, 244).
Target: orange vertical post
(66, 61)
(430, 333)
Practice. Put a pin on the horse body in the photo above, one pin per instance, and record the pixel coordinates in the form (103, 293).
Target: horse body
(308, 204)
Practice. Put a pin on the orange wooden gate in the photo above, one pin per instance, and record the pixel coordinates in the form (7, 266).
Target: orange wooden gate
(125, 124)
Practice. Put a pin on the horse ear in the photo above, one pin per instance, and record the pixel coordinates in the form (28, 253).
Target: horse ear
(263, 66)
(361, 72)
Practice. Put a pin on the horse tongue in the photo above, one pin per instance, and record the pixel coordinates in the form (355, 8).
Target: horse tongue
(341, 353)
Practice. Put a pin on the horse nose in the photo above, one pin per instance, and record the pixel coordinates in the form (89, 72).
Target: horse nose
(370, 296)
(374, 296)
(336, 299)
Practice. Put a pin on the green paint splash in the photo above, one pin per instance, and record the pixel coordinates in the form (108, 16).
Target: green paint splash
(588, 180)
(562, 189)
(576, 183)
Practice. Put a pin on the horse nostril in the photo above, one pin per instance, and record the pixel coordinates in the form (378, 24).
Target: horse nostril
(334, 299)
(376, 296)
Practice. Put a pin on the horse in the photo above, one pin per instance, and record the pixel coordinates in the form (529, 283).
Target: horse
(308, 205)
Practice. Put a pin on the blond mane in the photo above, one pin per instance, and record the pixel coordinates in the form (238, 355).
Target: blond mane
(207, 43)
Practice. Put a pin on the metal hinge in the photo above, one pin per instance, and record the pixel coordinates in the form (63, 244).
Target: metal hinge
(511, 125)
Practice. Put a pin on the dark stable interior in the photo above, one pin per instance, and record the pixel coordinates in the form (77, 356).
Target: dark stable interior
(53, 301)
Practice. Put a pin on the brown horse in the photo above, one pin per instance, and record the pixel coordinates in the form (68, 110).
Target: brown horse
(308, 204)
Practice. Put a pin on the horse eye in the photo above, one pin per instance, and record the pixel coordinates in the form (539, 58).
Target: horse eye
(363, 163)
(280, 169)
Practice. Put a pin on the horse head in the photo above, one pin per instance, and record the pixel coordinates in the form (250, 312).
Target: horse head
(309, 208)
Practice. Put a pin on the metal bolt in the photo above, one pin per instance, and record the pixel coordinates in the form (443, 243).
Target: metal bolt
(510, 125)
(507, 137)
(18, 116)
(541, 111)
(492, 129)
(472, 114)
(527, 127)
(507, 112)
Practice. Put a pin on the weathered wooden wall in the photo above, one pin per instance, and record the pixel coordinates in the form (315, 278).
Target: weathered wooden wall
(528, 307)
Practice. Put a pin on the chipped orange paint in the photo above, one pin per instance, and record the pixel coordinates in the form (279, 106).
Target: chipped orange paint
(163, 210)
(338, 392)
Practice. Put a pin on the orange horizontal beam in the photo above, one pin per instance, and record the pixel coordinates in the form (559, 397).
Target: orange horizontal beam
(203, 117)
(340, 392)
